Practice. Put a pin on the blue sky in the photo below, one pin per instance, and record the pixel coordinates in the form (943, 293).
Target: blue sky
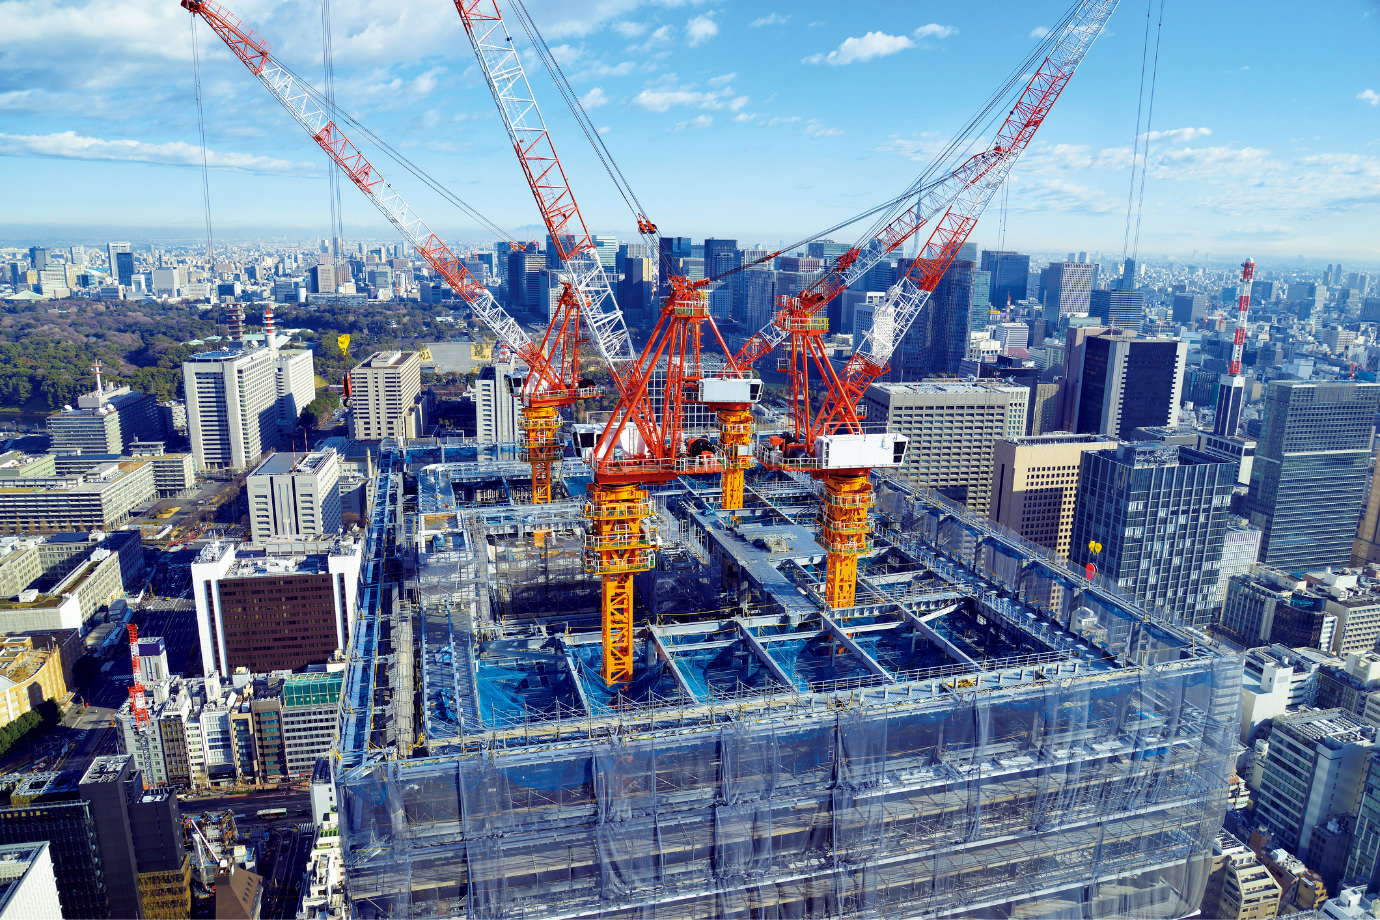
(755, 120)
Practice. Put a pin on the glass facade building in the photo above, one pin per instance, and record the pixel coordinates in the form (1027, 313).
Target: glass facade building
(1308, 481)
(1160, 513)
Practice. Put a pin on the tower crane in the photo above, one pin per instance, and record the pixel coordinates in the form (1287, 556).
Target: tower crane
(552, 362)
(585, 289)
(830, 443)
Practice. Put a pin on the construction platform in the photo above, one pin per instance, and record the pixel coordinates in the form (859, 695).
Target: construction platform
(986, 733)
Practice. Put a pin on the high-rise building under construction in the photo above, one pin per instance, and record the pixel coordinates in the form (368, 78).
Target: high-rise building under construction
(986, 733)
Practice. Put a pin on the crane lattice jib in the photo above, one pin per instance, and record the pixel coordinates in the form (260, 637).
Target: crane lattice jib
(981, 176)
(498, 58)
(300, 103)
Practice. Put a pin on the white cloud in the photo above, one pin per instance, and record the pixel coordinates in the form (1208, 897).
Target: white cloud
(862, 48)
(1039, 32)
(1177, 134)
(71, 146)
(667, 94)
(1369, 96)
(630, 29)
(594, 98)
(771, 19)
(745, 116)
(934, 30)
(722, 79)
(700, 30)
(815, 129)
(698, 122)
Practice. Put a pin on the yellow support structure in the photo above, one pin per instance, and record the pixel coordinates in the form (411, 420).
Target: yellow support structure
(735, 443)
(620, 545)
(539, 426)
(843, 519)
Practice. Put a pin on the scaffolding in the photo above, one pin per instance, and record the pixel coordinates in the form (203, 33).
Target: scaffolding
(984, 733)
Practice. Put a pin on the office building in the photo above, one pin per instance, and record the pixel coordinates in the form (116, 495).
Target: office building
(385, 395)
(1160, 514)
(1353, 597)
(721, 257)
(1188, 309)
(106, 421)
(232, 407)
(1363, 857)
(951, 427)
(101, 499)
(1010, 276)
(498, 401)
(35, 812)
(1035, 485)
(1315, 768)
(1231, 393)
(1240, 551)
(1308, 479)
(1266, 605)
(1068, 287)
(28, 886)
(121, 264)
(293, 495)
(938, 340)
(1277, 679)
(1366, 549)
(1119, 381)
(295, 374)
(1123, 310)
(34, 669)
(1250, 891)
(276, 605)
(310, 705)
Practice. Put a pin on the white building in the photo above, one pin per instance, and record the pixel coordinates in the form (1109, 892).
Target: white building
(28, 888)
(296, 377)
(232, 412)
(497, 406)
(292, 495)
(384, 393)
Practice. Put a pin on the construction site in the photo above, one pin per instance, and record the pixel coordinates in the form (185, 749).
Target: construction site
(678, 672)
(985, 732)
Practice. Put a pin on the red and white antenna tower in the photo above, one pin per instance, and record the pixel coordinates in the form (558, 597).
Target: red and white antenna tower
(1243, 309)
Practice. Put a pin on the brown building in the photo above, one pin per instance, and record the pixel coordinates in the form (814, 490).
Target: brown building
(1035, 484)
(277, 605)
(278, 622)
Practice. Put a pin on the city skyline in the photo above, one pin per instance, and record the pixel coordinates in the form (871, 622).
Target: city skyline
(752, 107)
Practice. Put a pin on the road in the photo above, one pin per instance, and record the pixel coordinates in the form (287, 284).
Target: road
(283, 865)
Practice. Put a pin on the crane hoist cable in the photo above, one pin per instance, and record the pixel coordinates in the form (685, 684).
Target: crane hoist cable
(1149, 120)
(332, 175)
(205, 168)
(397, 156)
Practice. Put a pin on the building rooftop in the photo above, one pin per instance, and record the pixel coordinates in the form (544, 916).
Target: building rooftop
(16, 860)
(287, 462)
(106, 768)
(1335, 726)
(958, 387)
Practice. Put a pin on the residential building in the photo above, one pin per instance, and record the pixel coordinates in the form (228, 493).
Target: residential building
(101, 499)
(1250, 892)
(28, 885)
(1308, 479)
(1035, 485)
(1315, 768)
(1159, 512)
(952, 428)
(384, 397)
(1123, 381)
(291, 495)
(232, 407)
(280, 604)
